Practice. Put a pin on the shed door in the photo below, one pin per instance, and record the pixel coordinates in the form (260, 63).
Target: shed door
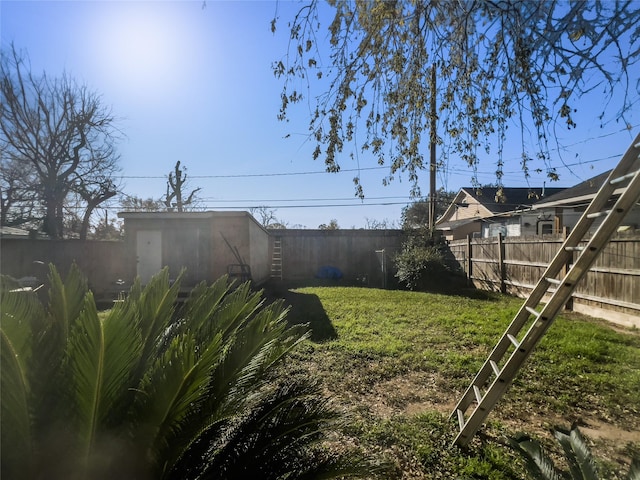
(148, 253)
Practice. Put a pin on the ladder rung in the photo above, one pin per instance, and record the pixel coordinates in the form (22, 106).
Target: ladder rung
(460, 418)
(495, 367)
(574, 249)
(478, 393)
(604, 213)
(554, 281)
(513, 340)
(532, 311)
(624, 177)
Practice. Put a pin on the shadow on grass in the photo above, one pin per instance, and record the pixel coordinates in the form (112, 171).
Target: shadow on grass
(455, 286)
(305, 308)
(466, 292)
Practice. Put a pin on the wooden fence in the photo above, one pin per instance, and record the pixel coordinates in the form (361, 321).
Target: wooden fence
(102, 262)
(363, 255)
(610, 290)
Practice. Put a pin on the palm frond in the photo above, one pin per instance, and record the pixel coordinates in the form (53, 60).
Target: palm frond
(577, 453)
(236, 342)
(537, 462)
(123, 348)
(16, 439)
(156, 307)
(583, 454)
(279, 438)
(634, 470)
(66, 298)
(20, 311)
(86, 369)
(216, 312)
(235, 309)
(102, 356)
(31, 354)
(174, 392)
(153, 309)
(202, 304)
(261, 345)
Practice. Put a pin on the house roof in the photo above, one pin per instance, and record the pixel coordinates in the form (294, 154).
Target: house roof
(584, 191)
(452, 225)
(511, 199)
(13, 232)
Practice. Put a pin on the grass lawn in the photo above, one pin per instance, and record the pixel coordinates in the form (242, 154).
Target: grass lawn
(398, 362)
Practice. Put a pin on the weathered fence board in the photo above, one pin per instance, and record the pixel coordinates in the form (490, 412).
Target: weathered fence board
(611, 288)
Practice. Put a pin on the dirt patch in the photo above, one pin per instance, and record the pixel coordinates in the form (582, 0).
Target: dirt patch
(409, 394)
(599, 430)
(420, 392)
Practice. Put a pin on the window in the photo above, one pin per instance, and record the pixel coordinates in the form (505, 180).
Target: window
(545, 227)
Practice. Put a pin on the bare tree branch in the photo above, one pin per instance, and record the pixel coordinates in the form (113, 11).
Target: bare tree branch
(62, 131)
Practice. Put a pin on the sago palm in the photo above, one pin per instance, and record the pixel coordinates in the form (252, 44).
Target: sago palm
(155, 390)
(576, 451)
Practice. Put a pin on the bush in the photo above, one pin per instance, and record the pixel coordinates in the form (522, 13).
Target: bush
(157, 389)
(420, 266)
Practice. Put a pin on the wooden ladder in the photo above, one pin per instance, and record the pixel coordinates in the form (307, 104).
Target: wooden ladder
(534, 318)
(276, 259)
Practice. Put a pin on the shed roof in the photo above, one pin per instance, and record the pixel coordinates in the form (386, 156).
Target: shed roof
(181, 215)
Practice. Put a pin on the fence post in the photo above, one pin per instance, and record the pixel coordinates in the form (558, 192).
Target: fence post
(469, 262)
(567, 267)
(501, 268)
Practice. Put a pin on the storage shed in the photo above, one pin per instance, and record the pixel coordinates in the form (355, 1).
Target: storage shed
(207, 244)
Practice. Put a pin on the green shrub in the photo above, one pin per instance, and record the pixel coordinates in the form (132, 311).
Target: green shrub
(420, 266)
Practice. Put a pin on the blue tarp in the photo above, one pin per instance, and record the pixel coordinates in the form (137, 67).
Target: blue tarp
(329, 272)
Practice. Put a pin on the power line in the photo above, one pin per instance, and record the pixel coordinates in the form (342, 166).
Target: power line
(248, 207)
(249, 175)
(216, 200)
(328, 205)
(350, 170)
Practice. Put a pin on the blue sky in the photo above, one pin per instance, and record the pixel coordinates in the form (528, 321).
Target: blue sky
(195, 84)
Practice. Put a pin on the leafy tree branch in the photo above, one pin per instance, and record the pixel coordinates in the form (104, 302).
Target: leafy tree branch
(498, 63)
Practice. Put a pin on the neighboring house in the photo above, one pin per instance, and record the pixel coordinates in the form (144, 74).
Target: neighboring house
(13, 232)
(206, 244)
(488, 211)
(21, 233)
(565, 208)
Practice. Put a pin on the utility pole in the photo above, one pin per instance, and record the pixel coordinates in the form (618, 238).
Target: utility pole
(432, 163)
